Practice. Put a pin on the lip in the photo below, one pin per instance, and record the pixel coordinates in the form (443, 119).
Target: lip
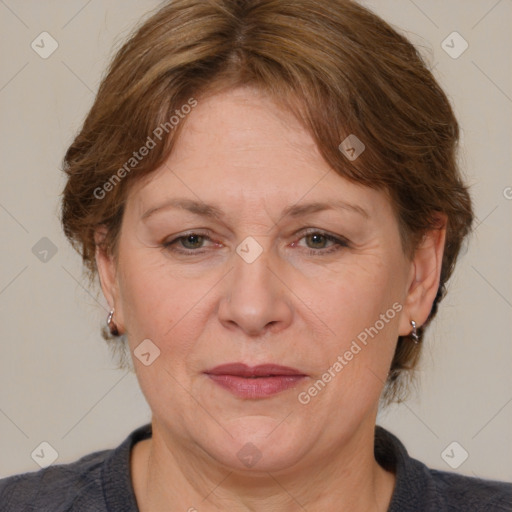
(262, 370)
(253, 382)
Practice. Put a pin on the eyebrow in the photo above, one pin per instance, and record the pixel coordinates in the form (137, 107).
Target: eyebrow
(297, 210)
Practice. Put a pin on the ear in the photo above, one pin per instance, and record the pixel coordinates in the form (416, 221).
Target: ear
(107, 272)
(424, 277)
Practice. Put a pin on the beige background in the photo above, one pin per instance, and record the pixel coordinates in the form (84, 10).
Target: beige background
(57, 382)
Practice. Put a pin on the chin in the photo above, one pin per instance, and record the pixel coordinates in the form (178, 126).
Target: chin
(258, 443)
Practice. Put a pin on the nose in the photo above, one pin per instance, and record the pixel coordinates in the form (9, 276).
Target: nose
(255, 298)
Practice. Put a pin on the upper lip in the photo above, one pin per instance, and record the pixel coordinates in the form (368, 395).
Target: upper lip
(262, 370)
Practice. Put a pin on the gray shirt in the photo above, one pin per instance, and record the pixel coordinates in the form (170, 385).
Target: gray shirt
(101, 482)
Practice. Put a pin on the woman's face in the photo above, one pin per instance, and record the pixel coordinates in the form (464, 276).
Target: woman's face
(247, 271)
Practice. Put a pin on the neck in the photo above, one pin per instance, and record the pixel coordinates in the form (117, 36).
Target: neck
(170, 475)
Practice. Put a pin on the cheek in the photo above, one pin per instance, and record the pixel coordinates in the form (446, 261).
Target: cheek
(165, 310)
(160, 304)
(361, 309)
(356, 297)
(361, 312)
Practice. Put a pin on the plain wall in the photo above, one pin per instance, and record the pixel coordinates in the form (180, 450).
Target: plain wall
(57, 379)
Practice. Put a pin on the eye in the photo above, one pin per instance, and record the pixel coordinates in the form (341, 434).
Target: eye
(316, 241)
(187, 244)
(192, 241)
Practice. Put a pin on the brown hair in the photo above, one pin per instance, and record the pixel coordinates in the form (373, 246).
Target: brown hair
(335, 65)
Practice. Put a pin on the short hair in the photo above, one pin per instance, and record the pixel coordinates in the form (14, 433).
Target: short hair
(336, 66)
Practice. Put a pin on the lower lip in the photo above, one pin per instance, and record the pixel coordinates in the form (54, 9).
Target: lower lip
(260, 387)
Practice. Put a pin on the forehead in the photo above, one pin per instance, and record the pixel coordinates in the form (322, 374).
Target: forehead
(244, 129)
(239, 147)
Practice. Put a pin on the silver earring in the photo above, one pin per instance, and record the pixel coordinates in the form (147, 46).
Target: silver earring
(414, 333)
(111, 324)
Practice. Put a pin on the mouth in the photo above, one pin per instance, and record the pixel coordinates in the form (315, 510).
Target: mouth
(255, 382)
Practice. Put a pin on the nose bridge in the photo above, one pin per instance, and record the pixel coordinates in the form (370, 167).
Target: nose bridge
(251, 277)
(253, 257)
(255, 297)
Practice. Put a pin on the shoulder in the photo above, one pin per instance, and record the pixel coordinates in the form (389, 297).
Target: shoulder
(472, 493)
(58, 488)
(97, 482)
(419, 488)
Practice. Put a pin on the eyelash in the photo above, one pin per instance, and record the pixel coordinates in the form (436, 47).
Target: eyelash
(339, 243)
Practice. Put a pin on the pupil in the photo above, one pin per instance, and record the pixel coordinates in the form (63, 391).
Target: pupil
(192, 239)
(316, 238)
